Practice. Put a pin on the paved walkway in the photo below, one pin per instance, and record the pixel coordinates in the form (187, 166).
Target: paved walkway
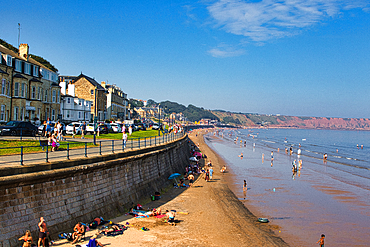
(103, 146)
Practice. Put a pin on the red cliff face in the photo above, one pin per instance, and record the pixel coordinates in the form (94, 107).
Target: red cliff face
(324, 123)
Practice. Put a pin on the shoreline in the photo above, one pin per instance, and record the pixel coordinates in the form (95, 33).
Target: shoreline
(208, 214)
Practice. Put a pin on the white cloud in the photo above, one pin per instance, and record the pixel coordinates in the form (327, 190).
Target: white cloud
(270, 19)
(226, 51)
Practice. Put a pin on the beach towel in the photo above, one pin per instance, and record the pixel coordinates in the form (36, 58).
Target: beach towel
(92, 243)
(160, 216)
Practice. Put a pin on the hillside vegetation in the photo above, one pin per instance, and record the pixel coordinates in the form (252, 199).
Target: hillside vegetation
(255, 120)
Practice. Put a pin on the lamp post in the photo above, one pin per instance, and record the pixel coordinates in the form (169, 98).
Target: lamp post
(159, 113)
(95, 118)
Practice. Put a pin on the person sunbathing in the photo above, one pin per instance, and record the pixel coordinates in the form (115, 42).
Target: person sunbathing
(78, 232)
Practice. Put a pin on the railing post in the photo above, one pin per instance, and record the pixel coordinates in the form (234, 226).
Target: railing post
(67, 150)
(21, 134)
(47, 153)
(112, 146)
(21, 155)
(139, 143)
(99, 147)
(123, 145)
(132, 140)
(150, 141)
(144, 141)
(85, 149)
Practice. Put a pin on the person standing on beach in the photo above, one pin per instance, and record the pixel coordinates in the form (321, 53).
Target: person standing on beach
(321, 240)
(207, 175)
(245, 188)
(210, 173)
(272, 155)
(191, 179)
(43, 231)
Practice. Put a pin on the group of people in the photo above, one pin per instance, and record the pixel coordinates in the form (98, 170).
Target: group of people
(43, 234)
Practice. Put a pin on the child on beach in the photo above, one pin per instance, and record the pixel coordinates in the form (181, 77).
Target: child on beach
(245, 185)
(321, 240)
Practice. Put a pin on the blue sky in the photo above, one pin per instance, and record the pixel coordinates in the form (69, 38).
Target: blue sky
(297, 57)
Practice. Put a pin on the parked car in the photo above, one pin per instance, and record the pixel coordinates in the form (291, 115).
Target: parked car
(18, 128)
(156, 126)
(110, 128)
(117, 127)
(41, 127)
(90, 128)
(103, 129)
(140, 126)
(69, 128)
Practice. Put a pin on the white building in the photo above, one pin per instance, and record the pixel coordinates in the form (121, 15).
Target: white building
(72, 108)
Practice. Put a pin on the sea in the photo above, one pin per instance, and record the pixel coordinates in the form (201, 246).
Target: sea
(330, 197)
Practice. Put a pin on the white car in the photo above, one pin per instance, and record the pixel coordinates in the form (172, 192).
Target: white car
(117, 127)
(69, 128)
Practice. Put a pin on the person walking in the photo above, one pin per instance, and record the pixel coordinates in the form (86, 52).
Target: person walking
(73, 131)
(210, 173)
(130, 130)
(207, 175)
(124, 139)
(83, 129)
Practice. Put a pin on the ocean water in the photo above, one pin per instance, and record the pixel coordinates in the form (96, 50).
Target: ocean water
(331, 198)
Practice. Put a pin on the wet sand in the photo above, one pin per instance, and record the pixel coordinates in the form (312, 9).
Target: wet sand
(212, 216)
(318, 199)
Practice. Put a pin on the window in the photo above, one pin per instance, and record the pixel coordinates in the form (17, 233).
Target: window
(9, 60)
(33, 96)
(79, 114)
(68, 100)
(35, 70)
(16, 113)
(53, 115)
(92, 91)
(46, 95)
(2, 113)
(22, 90)
(68, 112)
(8, 88)
(39, 93)
(58, 96)
(18, 65)
(22, 114)
(27, 68)
(54, 95)
(16, 89)
(80, 102)
(3, 86)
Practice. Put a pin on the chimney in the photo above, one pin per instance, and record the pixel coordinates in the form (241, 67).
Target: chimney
(24, 51)
(103, 84)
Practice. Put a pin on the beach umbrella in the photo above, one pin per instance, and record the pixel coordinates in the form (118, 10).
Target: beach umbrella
(173, 176)
(193, 159)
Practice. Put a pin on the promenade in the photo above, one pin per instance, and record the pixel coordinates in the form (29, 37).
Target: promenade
(102, 147)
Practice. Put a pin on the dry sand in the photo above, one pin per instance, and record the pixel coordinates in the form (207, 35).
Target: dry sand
(215, 216)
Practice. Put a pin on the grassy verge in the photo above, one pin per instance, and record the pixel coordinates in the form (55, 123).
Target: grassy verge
(14, 147)
(118, 136)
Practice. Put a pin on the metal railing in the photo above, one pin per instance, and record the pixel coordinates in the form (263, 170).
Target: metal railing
(84, 149)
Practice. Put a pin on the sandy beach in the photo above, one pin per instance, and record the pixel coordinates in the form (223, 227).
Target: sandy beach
(208, 214)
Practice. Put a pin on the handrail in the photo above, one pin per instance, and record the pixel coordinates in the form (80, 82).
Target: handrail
(66, 150)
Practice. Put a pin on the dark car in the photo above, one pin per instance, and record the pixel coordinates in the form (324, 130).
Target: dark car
(18, 128)
(140, 126)
(103, 129)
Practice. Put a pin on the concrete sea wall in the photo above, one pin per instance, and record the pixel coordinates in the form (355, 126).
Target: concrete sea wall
(67, 195)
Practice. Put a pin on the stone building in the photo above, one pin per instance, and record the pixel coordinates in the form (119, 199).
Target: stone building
(116, 102)
(29, 90)
(84, 87)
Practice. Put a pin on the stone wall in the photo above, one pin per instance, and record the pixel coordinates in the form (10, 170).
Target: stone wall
(81, 193)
